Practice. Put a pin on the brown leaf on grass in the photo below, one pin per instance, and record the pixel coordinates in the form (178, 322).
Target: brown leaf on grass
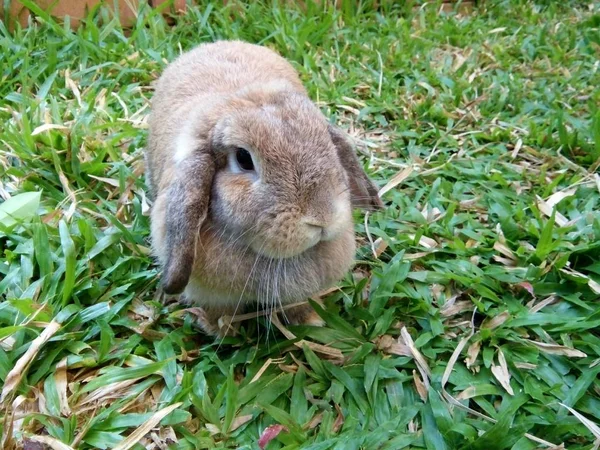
(390, 345)
(32, 445)
(314, 422)
(16, 374)
(501, 373)
(145, 428)
(452, 308)
(379, 247)
(288, 368)
(555, 349)
(239, 421)
(496, 321)
(527, 286)
(420, 386)
(339, 420)
(270, 433)
(51, 442)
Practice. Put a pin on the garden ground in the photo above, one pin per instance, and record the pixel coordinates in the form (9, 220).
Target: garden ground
(471, 319)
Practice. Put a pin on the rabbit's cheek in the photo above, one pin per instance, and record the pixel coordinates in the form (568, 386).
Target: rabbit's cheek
(341, 219)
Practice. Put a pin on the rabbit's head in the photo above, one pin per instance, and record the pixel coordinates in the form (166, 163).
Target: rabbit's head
(268, 172)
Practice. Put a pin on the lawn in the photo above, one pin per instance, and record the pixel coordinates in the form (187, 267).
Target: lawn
(471, 318)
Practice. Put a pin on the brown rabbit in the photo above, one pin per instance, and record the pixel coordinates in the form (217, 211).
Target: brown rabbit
(253, 188)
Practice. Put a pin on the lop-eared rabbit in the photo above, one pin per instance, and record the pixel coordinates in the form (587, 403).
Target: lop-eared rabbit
(253, 188)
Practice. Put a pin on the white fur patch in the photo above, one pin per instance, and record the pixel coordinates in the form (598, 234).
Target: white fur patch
(184, 146)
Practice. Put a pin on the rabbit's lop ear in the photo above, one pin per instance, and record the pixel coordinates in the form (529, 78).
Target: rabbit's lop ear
(363, 192)
(188, 201)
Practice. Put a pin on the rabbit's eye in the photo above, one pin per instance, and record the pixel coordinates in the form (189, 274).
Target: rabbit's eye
(244, 159)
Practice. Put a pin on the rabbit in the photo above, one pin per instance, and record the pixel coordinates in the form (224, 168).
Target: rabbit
(252, 187)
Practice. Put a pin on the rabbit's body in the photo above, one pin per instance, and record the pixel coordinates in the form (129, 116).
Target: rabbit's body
(253, 188)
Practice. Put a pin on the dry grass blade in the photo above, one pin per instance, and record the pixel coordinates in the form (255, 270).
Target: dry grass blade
(555, 349)
(559, 196)
(548, 209)
(593, 285)
(104, 391)
(421, 363)
(541, 305)
(47, 127)
(60, 380)
(318, 348)
(517, 148)
(265, 366)
(501, 247)
(456, 354)
(7, 343)
(396, 180)
(16, 374)
(524, 365)
(7, 437)
(425, 241)
(594, 429)
(379, 246)
(501, 373)
(468, 393)
(458, 404)
(416, 354)
(140, 432)
(254, 315)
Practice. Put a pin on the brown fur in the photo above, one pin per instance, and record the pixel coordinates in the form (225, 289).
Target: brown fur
(226, 238)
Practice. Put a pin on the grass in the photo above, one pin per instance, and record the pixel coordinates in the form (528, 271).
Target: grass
(471, 319)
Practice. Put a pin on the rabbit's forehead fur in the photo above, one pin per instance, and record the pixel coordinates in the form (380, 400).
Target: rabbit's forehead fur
(288, 136)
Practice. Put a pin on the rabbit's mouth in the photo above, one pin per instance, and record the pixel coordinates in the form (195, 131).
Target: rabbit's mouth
(284, 250)
(306, 236)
